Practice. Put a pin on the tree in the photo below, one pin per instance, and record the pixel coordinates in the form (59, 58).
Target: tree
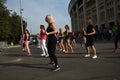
(4, 21)
(15, 27)
(10, 27)
(3, 1)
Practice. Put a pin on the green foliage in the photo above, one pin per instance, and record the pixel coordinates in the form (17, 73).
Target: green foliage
(15, 27)
(4, 22)
(2, 1)
(10, 25)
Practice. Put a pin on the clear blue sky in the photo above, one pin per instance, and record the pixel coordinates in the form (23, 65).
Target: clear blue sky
(34, 12)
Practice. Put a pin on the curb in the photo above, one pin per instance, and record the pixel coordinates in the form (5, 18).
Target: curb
(11, 46)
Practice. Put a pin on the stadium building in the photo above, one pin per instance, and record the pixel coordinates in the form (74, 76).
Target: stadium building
(104, 13)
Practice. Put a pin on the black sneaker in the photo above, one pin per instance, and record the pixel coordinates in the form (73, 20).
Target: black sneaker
(51, 63)
(56, 68)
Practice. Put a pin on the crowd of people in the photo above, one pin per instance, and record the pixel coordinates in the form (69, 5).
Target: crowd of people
(48, 34)
(50, 39)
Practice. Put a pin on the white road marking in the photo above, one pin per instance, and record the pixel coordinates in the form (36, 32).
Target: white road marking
(12, 61)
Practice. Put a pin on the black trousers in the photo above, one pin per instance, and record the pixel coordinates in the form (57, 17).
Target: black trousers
(23, 45)
(117, 38)
(51, 49)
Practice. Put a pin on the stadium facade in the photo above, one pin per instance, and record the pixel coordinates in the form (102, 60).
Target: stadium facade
(104, 13)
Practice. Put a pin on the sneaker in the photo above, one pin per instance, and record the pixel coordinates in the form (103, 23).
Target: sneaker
(23, 50)
(42, 54)
(94, 57)
(63, 50)
(87, 55)
(46, 55)
(29, 54)
(60, 50)
(51, 63)
(56, 68)
(66, 52)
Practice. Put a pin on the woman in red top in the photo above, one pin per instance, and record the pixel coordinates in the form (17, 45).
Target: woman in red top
(43, 38)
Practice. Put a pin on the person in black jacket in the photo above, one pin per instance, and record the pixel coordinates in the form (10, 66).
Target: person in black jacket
(52, 41)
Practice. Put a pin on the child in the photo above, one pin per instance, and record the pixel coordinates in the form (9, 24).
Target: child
(43, 38)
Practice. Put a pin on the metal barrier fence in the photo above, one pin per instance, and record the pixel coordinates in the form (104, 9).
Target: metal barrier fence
(3, 44)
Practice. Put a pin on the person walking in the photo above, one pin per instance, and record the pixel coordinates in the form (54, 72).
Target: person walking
(61, 38)
(27, 41)
(68, 36)
(38, 40)
(82, 38)
(117, 36)
(43, 38)
(89, 32)
(52, 41)
(22, 42)
(73, 38)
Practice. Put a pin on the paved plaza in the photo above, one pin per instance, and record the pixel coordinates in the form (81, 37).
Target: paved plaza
(16, 65)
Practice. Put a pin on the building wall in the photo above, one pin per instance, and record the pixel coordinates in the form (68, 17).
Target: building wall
(102, 12)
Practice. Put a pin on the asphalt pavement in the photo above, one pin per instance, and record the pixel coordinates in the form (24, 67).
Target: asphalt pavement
(16, 65)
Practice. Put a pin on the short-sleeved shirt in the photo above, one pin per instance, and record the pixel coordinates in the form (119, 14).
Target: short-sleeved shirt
(89, 38)
(89, 29)
(42, 36)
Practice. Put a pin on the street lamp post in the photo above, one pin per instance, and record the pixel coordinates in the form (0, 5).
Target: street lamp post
(21, 16)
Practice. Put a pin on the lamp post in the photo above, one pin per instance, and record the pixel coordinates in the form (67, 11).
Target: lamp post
(21, 16)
